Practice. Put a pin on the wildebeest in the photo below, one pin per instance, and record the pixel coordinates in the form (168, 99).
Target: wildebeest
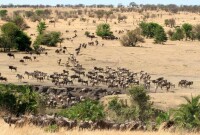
(12, 68)
(11, 55)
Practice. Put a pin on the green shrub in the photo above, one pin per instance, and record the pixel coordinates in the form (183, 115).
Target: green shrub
(49, 39)
(187, 115)
(178, 34)
(86, 110)
(18, 99)
(103, 30)
(160, 35)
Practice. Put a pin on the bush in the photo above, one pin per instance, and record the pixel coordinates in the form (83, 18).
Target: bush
(49, 39)
(178, 34)
(187, 28)
(103, 30)
(3, 13)
(132, 38)
(187, 115)
(122, 111)
(41, 27)
(18, 99)
(160, 35)
(86, 110)
(140, 98)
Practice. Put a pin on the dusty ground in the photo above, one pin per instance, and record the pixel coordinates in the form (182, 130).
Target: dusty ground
(174, 61)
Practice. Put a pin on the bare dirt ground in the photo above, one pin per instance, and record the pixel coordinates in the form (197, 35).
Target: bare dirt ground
(174, 60)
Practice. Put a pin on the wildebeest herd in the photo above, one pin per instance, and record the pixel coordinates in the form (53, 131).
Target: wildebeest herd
(45, 120)
(76, 83)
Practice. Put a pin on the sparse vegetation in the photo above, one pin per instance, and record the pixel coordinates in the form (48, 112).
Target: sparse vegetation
(132, 38)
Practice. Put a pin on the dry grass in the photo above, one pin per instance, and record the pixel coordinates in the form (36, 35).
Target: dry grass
(32, 130)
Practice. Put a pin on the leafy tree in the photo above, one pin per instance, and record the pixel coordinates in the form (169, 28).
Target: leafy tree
(187, 115)
(41, 27)
(132, 38)
(3, 13)
(160, 35)
(49, 39)
(133, 4)
(13, 37)
(142, 100)
(86, 110)
(187, 29)
(178, 34)
(103, 30)
(148, 29)
(23, 41)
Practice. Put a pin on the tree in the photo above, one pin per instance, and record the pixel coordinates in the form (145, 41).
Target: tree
(3, 13)
(99, 13)
(160, 35)
(23, 41)
(41, 27)
(19, 21)
(133, 4)
(132, 38)
(172, 22)
(49, 39)
(108, 14)
(103, 30)
(148, 29)
(187, 115)
(197, 31)
(187, 29)
(13, 37)
(178, 34)
(86, 110)
(140, 98)
(167, 22)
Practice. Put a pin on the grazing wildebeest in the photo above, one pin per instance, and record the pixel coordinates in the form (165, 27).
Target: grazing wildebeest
(3, 79)
(11, 55)
(21, 61)
(12, 68)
